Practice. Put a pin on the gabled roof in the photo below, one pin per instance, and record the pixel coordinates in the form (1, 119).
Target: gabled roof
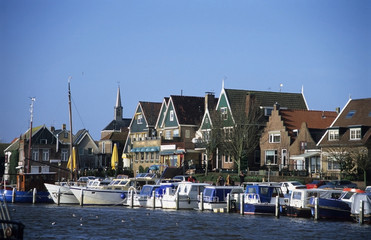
(189, 110)
(356, 113)
(79, 136)
(237, 98)
(117, 125)
(163, 109)
(151, 111)
(314, 119)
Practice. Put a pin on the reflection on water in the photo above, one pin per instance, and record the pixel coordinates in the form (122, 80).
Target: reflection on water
(50, 221)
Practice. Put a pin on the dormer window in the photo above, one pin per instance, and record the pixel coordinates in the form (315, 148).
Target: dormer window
(333, 135)
(355, 134)
(350, 114)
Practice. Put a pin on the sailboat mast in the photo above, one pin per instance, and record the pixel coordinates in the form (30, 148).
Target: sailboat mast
(70, 115)
(30, 136)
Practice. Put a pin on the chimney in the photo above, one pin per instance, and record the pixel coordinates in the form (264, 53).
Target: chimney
(63, 126)
(52, 129)
(276, 106)
(337, 110)
(209, 100)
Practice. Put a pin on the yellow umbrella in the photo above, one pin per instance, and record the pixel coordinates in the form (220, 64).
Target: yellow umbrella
(115, 157)
(72, 164)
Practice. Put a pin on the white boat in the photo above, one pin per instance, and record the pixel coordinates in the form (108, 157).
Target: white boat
(144, 198)
(62, 191)
(99, 196)
(215, 197)
(187, 192)
(299, 200)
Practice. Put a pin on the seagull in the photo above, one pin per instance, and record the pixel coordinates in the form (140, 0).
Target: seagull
(73, 215)
(96, 217)
(81, 219)
(122, 220)
(53, 223)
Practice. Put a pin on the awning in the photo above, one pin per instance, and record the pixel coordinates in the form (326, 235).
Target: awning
(305, 155)
(172, 152)
(146, 149)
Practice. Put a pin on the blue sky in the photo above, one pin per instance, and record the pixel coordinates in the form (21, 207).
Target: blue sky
(154, 49)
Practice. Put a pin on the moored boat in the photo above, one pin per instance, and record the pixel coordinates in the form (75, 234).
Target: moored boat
(184, 197)
(299, 200)
(261, 199)
(335, 209)
(215, 197)
(356, 207)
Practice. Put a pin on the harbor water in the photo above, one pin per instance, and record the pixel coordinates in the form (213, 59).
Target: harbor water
(49, 221)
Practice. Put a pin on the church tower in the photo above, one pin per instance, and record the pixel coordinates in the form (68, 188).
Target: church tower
(118, 107)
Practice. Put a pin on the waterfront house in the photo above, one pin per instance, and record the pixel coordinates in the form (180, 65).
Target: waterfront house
(143, 143)
(177, 126)
(288, 142)
(346, 145)
(234, 104)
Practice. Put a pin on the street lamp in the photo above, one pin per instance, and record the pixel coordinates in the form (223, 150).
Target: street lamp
(269, 169)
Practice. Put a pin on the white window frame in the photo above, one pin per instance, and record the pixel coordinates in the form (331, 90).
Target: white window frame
(176, 133)
(333, 134)
(332, 164)
(187, 133)
(168, 134)
(171, 115)
(140, 119)
(224, 113)
(355, 134)
(35, 154)
(274, 137)
(45, 155)
(269, 153)
(64, 155)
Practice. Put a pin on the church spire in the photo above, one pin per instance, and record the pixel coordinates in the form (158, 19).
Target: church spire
(118, 107)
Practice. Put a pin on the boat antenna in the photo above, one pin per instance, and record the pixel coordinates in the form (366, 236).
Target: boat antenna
(33, 99)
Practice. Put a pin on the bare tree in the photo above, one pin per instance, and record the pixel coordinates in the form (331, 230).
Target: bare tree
(362, 160)
(342, 155)
(243, 137)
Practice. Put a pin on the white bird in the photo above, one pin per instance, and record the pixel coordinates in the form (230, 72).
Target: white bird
(53, 223)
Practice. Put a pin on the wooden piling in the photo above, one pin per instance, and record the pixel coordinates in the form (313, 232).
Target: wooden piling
(277, 212)
(242, 203)
(316, 209)
(131, 198)
(13, 195)
(59, 196)
(34, 192)
(82, 198)
(201, 201)
(361, 212)
(153, 199)
(228, 202)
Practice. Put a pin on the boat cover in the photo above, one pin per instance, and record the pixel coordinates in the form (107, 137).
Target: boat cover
(356, 204)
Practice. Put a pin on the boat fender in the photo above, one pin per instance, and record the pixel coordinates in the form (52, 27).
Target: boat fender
(123, 196)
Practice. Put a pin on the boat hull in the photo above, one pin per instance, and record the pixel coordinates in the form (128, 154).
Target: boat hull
(259, 208)
(99, 196)
(298, 212)
(331, 209)
(25, 196)
(65, 194)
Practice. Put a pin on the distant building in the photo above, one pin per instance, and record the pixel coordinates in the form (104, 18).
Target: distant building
(115, 132)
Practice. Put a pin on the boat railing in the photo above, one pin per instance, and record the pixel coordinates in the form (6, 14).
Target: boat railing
(252, 198)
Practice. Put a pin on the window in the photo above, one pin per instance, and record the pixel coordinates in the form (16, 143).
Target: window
(90, 151)
(43, 141)
(284, 157)
(171, 115)
(350, 114)
(103, 147)
(45, 155)
(35, 154)
(355, 134)
(303, 145)
(176, 133)
(275, 137)
(271, 157)
(64, 155)
(206, 135)
(224, 113)
(332, 164)
(333, 135)
(140, 119)
(168, 134)
(65, 134)
(187, 133)
(268, 111)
